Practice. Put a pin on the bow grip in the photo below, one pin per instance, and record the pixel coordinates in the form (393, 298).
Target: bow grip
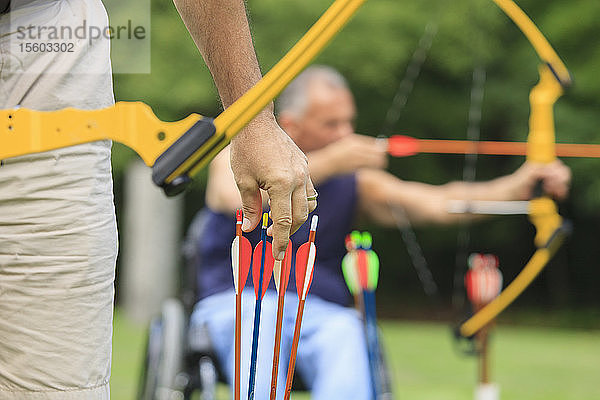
(171, 171)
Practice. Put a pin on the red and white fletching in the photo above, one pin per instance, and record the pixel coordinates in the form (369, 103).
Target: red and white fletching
(363, 268)
(483, 280)
(305, 261)
(268, 267)
(241, 256)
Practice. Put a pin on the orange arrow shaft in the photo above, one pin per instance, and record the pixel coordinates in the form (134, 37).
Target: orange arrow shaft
(400, 146)
(294, 351)
(503, 148)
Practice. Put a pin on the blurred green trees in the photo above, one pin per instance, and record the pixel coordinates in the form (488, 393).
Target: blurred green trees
(373, 52)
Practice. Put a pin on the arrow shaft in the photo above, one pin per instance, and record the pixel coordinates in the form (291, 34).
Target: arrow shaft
(294, 351)
(372, 340)
(254, 354)
(238, 344)
(257, 308)
(443, 146)
(278, 326)
(239, 287)
(305, 259)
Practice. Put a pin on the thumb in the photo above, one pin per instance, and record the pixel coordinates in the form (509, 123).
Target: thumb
(251, 206)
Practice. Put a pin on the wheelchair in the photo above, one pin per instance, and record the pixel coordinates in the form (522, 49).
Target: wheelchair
(179, 359)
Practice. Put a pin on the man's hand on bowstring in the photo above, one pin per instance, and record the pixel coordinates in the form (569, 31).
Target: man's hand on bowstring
(264, 157)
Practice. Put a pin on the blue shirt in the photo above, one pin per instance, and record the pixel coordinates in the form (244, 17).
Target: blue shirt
(336, 210)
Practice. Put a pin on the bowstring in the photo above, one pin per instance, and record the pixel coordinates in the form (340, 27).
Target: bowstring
(393, 114)
(468, 175)
(413, 70)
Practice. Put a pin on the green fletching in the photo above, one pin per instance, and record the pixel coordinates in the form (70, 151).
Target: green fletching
(373, 261)
(366, 241)
(350, 273)
(349, 263)
(356, 237)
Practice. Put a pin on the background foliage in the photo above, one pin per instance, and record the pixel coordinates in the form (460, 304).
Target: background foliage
(373, 52)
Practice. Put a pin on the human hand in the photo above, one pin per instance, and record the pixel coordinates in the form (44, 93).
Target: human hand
(264, 157)
(357, 151)
(555, 178)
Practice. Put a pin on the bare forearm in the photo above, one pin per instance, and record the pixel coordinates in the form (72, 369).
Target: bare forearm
(221, 33)
(382, 192)
(503, 188)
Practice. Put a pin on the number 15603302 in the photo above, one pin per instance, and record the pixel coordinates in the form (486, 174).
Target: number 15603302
(34, 47)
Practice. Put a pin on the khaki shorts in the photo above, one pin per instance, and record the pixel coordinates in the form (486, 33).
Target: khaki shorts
(58, 237)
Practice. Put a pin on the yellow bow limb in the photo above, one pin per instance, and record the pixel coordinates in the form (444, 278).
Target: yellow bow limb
(537, 40)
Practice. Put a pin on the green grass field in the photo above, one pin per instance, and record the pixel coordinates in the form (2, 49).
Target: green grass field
(528, 363)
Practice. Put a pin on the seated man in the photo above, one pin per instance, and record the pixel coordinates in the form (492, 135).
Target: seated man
(317, 111)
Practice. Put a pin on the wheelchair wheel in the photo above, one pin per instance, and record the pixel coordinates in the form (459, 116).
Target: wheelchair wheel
(164, 354)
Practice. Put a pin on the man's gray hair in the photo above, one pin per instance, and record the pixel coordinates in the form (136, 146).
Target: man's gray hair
(294, 99)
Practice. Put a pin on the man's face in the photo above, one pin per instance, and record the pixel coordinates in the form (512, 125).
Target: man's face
(329, 116)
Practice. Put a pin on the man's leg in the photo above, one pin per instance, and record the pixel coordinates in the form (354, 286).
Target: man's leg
(332, 354)
(58, 240)
(218, 313)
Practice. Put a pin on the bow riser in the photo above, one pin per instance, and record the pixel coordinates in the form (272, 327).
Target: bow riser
(134, 124)
(541, 141)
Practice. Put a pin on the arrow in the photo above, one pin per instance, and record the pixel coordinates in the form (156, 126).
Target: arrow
(305, 262)
(404, 146)
(368, 271)
(263, 256)
(241, 256)
(281, 273)
(483, 282)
